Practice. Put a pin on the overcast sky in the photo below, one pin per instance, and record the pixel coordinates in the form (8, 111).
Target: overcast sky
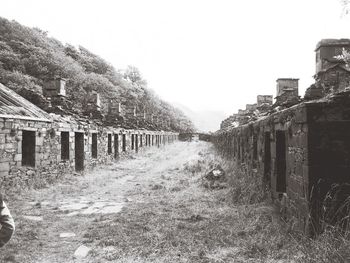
(204, 54)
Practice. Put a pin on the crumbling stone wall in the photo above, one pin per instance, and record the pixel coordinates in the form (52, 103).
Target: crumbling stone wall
(48, 166)
(300, 154)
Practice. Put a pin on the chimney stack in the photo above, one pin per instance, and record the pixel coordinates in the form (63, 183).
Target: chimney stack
(287, 92)
(264, 99)
(114, 108)
(55, 88)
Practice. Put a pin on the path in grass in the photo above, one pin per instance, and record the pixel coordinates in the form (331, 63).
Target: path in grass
(78, 204)
(152, 208)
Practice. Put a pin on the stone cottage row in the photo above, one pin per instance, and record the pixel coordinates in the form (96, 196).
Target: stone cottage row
(301, 153)
(37, 148)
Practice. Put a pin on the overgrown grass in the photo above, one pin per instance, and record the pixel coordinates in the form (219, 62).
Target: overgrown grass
(191, 223)
(332, 245)
(177, 218)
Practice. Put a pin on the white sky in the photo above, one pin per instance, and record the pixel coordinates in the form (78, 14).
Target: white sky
(204, 54)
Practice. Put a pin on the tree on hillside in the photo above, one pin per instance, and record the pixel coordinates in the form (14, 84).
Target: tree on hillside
(28, 57)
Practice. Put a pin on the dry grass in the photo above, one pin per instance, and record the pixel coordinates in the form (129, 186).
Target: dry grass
(173, 216)
(182, 221)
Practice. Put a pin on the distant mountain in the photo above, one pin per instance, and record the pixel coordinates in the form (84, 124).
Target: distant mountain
(204, 121)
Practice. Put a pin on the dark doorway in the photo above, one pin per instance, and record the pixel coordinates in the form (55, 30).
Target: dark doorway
(255, 149)
(109, 144)
(94, 146)
(64, 146)
(124, 142)
(116, 146)
(281, 161)
(136, 142)
(79, 151)
(141, 142)
(28, 148)
(152, 140)
(132, 141)
(267, 157)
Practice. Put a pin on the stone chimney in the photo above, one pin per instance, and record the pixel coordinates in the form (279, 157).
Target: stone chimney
(55, 88)
(130, 111)
(251, 107)
(327, 50)
(242, 112)
(287, 85)
(114, 108)
(264, 99)
(95, 99)
(94, 102)
(287, 92)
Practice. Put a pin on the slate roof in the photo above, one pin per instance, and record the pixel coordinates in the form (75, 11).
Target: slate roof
(15, 106)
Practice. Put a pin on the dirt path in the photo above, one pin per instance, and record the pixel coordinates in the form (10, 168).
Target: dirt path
(151, 208)
(73, 207)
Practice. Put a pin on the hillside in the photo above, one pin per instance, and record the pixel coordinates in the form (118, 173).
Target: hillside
(204, 121)
(28, 57)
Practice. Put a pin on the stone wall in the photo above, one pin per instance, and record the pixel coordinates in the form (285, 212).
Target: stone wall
(46, 151)
(300, 154)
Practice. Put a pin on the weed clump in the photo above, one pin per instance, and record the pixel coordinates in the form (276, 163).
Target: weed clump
(245, 188)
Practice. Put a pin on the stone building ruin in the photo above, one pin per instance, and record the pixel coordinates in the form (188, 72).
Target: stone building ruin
(300, 148)
(38, 147)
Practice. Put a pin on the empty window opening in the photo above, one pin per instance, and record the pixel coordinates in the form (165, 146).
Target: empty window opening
(281, 161)
(267, 157)
(124, 142)
(28, 148)
(109, 144)
(116, 146)
(146, 141)
(132, 141)
(152, 140)
(94, 145)
(64, 146)
(136, 142)
(141, 142)
(79, 151)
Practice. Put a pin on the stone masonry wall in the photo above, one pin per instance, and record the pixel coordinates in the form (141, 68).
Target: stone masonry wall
(48, 164)
(257, 146)
(302, 154)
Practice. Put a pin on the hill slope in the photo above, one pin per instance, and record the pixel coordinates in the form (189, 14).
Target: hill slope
(204, 121)
(28, 57)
